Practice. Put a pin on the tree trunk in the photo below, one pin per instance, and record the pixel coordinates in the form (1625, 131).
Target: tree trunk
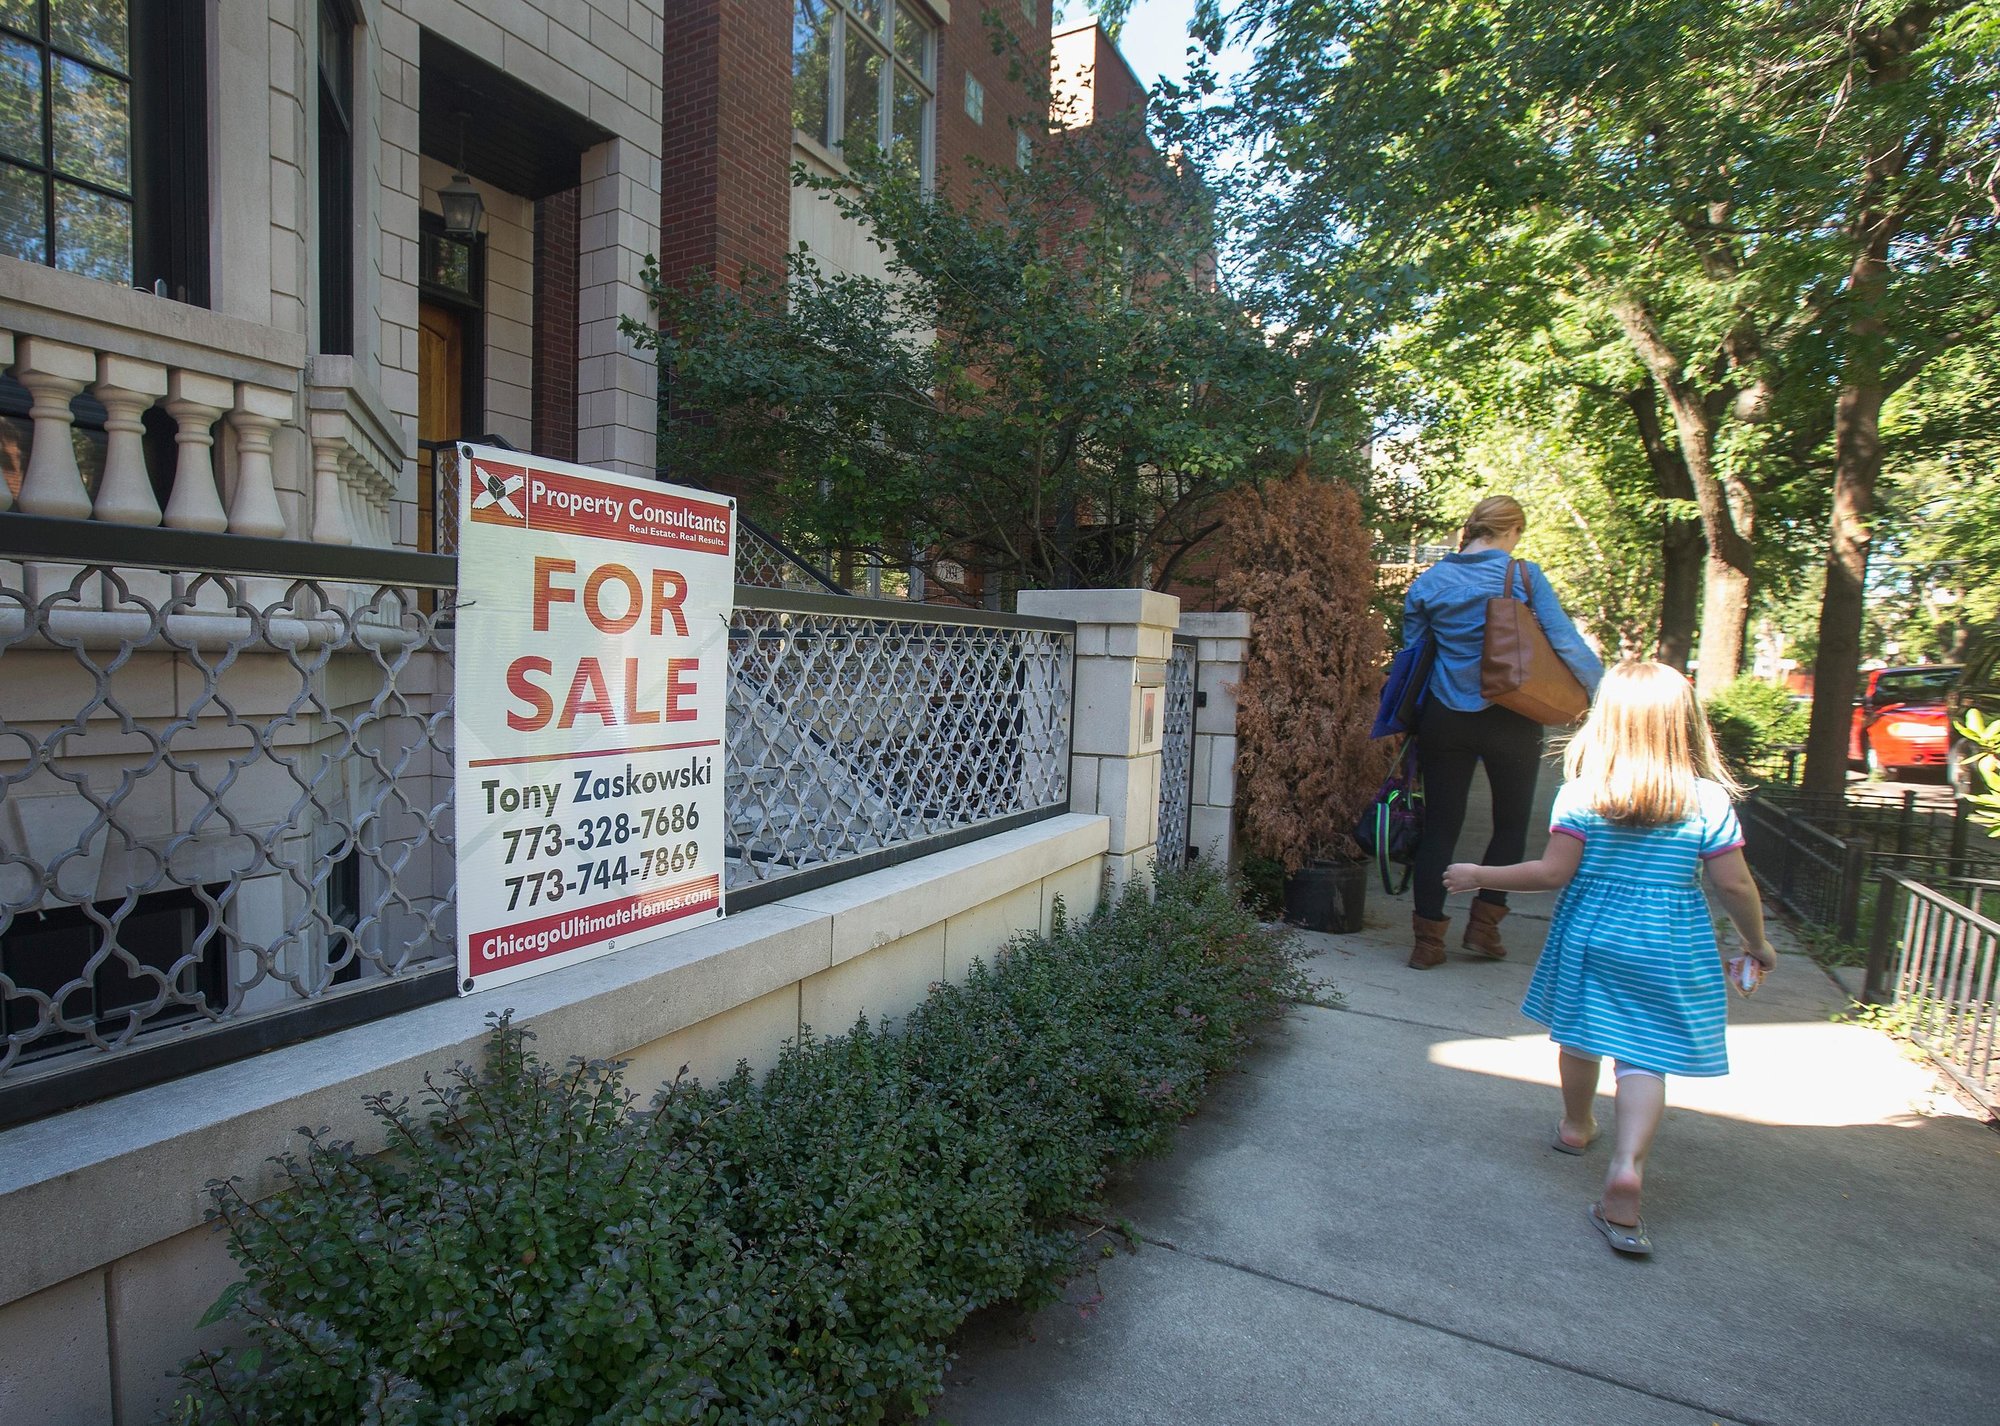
(1681, 543)
(1728, 508)
(1682, 551)
(1857, 458)
(1725, 608)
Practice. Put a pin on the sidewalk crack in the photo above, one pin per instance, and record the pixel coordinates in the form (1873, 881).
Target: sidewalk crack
(1421, 1024)
(1719, 1418)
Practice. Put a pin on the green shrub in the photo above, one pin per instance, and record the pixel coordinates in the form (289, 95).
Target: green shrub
(528, 1249)
(1983, 734)
(1753, 719)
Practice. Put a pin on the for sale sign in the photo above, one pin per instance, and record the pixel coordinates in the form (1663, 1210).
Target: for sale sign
(593, 641)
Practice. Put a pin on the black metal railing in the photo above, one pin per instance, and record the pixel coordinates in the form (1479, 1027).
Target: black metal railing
(1811, 872)
(1933, 956)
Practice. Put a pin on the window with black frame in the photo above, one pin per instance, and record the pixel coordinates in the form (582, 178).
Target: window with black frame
(103, 148)
(336, 177)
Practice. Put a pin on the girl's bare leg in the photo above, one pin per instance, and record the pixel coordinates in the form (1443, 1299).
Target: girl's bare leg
(1642, 1100)
(1579, 1086)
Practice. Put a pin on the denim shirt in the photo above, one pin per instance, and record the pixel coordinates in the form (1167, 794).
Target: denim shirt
(1448, 602)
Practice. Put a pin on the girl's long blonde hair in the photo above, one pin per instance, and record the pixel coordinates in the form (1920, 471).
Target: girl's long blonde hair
(1637, 755)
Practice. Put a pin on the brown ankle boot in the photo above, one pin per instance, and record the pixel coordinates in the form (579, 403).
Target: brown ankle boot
(1429, 948)
(1482, 930)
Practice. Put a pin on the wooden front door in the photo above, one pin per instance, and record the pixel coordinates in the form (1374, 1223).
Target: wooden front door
(440, 417)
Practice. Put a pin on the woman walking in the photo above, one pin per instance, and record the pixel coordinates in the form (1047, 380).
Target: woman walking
(1630, 967)
(1458, 730)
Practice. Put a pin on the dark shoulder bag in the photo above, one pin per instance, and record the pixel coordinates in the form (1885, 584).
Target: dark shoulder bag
(1394, 822)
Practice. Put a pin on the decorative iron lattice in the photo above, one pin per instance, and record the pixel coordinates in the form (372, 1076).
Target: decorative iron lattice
(763, 563)
(443, 514)
(857, 726)
(226, 792)
(1177, 756)
(221, 796)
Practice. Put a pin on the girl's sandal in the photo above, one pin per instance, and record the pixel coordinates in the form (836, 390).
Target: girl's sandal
(1630, 1240)
(1564, 1146)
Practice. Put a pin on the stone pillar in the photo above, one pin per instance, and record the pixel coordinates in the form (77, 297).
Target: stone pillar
(617, 387)
(1123, 639)
(1222, 650)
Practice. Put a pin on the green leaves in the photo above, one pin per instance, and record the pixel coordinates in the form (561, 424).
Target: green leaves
(1985, 735)
(1047, 384)
(533, 1249)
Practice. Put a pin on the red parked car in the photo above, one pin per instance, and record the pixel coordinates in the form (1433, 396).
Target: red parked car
(1900, 721)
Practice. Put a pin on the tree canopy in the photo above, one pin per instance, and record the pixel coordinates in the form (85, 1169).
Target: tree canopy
(1786, 209)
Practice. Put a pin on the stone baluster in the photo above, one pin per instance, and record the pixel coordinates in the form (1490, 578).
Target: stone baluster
(329, 526)
(53, 372)
(196, 402)
(260, 410)
(127, 387)
(375, 491)
(354, 477)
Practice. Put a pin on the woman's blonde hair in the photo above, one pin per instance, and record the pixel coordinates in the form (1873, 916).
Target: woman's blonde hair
(1637, 755)
(1497, 516)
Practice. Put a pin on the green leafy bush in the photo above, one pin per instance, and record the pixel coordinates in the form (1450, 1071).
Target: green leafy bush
(1754, 719)
(528, 1249)
(1984, 735)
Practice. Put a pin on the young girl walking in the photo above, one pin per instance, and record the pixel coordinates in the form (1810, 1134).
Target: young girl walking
(1630, 967)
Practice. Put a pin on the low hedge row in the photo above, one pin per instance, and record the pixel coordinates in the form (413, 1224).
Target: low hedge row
(531, 1250)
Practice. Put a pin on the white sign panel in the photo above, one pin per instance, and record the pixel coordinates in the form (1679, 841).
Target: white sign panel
(593, 651)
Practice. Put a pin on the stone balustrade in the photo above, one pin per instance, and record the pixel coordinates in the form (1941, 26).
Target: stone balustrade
(263, 444)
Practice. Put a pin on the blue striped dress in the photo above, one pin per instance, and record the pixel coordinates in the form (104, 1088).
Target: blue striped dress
(1630, 967)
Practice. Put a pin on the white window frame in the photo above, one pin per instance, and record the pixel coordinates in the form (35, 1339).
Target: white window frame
(841, 16)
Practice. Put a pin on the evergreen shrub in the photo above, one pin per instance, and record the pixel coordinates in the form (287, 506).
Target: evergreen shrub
(529, 1249)
(1754, 719)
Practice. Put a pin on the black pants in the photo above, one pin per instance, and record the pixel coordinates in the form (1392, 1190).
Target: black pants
(1450, 745)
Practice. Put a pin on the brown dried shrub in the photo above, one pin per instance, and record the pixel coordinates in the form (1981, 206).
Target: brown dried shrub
(1300, 562)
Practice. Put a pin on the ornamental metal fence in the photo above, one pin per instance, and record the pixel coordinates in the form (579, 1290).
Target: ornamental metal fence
(864, 731)
(1177, 755)
(1821, 857)
(1812, 873)
(1934, 957)
(226, 807)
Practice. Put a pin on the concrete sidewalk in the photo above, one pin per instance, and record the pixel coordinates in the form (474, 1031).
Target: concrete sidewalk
(1367, 1225)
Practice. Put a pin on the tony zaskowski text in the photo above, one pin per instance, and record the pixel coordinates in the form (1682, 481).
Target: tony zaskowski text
(593, 654)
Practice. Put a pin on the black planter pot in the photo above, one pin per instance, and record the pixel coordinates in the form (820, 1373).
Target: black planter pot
(1327, 896)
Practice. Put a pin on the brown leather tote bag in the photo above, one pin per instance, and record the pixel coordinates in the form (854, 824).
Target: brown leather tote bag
(1518, 669)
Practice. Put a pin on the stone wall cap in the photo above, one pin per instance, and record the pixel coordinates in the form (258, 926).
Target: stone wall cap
(1232, 625)
(1104, 606)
